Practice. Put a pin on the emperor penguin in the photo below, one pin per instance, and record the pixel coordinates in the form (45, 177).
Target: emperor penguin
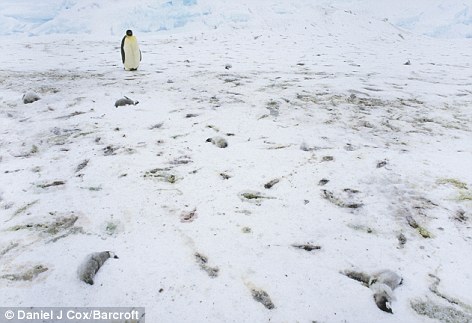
(130, 53)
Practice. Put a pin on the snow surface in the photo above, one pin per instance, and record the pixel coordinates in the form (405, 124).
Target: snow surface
(309, 93)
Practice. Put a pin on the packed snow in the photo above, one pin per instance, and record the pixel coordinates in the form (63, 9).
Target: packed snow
(276, 161)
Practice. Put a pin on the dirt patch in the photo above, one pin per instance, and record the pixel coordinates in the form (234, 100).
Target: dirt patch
(270, 184)
(307, 247)
(445, 314)
(52, 228)
(202, 261)
(188, 216)
(262, 297)
(51, 184)
(162, 174)
(27, 275)
(328, 195)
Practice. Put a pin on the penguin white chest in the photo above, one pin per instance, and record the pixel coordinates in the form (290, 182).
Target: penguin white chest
(132, 53)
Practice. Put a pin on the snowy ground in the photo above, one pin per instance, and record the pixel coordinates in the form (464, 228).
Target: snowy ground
(373, 159)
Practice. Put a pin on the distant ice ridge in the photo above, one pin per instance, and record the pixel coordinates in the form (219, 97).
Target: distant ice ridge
(92, 16)
(18, 16)
(434, 18)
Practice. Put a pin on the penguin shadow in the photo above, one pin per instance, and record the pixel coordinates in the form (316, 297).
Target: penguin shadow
(136, 74)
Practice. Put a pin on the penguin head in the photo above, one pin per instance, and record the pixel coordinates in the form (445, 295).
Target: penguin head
(112, 255)
(383, 302)
(129, 32)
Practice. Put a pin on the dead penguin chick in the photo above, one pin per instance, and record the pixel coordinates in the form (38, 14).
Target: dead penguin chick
(30, 97)
(382, 284)
(218, 142)
(125, 101)
(92, 263)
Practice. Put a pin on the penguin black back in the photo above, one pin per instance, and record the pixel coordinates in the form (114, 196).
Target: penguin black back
(123, 50)
(129, 32)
